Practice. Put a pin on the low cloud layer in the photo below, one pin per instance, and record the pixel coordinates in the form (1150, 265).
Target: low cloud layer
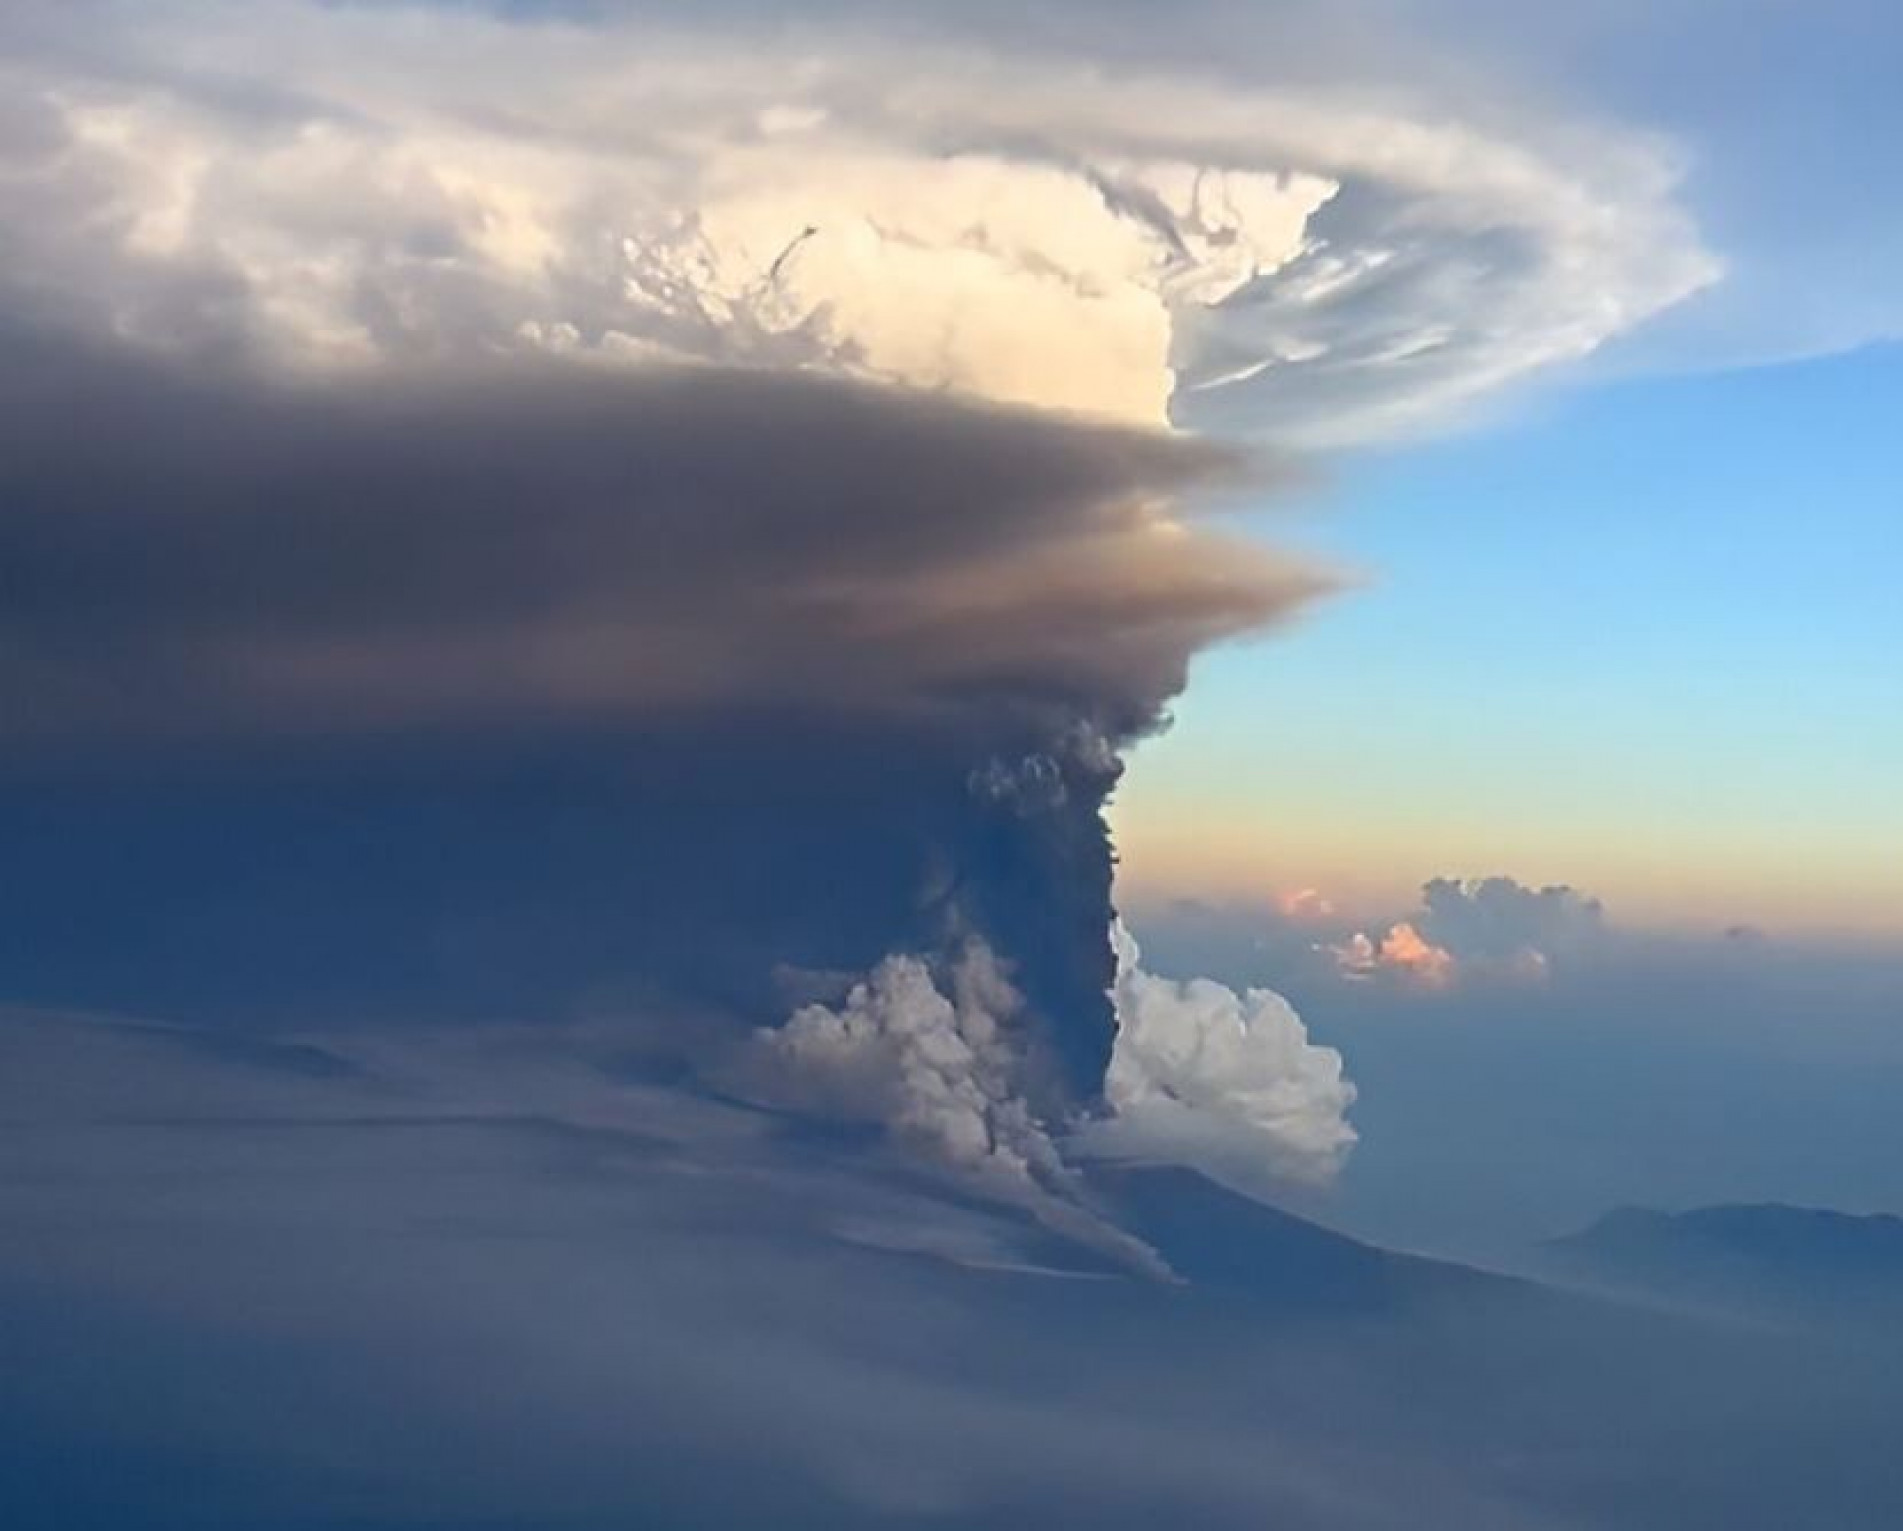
(480, 1273)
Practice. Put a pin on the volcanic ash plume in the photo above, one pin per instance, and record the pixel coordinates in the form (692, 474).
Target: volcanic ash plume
(542, 686)
(533, 528)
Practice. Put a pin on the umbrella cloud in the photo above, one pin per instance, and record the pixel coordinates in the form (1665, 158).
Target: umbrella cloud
(1130, 246)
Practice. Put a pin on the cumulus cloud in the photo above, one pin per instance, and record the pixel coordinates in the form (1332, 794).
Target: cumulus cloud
(1124, 244)
(1305, 904)
(1401, 951)
(1224, 1082)
(1476, 928)
(1500, 918)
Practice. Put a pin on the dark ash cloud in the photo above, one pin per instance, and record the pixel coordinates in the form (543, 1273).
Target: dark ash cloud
(203, 549)
(539, 686)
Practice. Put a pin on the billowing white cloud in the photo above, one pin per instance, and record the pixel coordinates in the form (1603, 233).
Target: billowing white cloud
(942, 1070)
(1224, 1082)
(400, 181)
(937, 1067)
(1201, 1076)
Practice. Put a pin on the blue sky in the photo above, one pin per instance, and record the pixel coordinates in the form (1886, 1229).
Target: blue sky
(1641, 635)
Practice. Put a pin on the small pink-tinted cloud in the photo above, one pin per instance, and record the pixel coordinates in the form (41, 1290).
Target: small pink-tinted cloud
(1492, 929)
(1306, 905)
(1402, 953)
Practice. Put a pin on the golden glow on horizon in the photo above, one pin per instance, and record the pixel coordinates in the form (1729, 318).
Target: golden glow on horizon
(1370, 860)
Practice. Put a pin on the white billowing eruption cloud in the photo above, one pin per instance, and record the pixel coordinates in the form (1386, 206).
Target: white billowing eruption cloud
(401, 181)
(1224, 1082)
(1201, 1076)
(936, 1067)
(940, 1069)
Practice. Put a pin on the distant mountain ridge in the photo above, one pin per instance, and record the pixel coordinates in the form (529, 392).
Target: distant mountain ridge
(1765, 1255)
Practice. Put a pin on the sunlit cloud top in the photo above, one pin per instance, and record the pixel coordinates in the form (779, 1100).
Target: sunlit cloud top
(342, 187)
